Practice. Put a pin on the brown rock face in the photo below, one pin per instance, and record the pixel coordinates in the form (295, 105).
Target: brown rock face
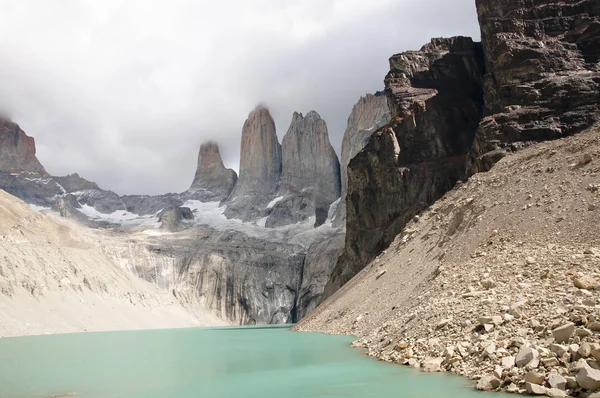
(211, 174)
(260, 167)
(368, 115)
(543, 74)
(17, 150)
(436, 100)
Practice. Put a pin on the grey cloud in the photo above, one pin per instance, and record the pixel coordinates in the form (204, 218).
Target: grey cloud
(125, 94)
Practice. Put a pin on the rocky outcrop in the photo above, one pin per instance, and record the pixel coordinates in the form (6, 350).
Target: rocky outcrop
(211, 175)
(172, 219)
(310, 178)
(543, 73)
(260, 167)
(436, 98)
(17, 150)
(369, 114)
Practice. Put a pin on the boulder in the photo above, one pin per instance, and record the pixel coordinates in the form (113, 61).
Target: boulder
(488, 383)
(563, 333)
(588, 378)
(586, 282)
(525, 356)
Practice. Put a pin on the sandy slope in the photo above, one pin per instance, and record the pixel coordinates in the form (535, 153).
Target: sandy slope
(508, 243)
(56, 277)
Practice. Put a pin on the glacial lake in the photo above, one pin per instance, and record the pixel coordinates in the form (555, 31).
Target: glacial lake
(237, 362)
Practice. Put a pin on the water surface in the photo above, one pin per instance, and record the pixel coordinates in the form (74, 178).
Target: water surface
(208, 363)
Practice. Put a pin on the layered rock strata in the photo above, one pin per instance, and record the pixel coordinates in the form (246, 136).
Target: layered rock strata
(543, 73)
(436, 99)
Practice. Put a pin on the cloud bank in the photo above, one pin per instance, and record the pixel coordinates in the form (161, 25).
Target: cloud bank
(124, 92)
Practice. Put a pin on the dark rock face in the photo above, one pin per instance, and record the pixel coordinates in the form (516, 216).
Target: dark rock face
(436, 99)
(369, 114)
(211, 175)
(17, 150)
(543, 73)
(260, 167)
(310, 178)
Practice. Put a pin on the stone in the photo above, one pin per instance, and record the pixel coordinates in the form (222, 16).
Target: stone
(534, 377)
(571, 382)
(585, 350)
(549, 362)
(555, 380)
(588, 378)
(594, 326)
(488, 383)
(525, 356)
(492, 320)
(489, 350)
(563, 333)
(211, 175)
(260, 167)
(530, 260)
(586, 282)
(171, 219)
(583, 332)
(535, 389)
(559, 349)
(556, 393)
(508, 362)
(369, 114)
(432, 365)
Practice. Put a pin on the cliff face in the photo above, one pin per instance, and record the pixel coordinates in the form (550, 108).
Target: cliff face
(369, 114)
(211, 174)
(310, 178)
(17, 150)
(260, 167)
(436, 99)
(543, 75)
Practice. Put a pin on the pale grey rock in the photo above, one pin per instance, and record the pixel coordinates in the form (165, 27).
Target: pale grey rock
(525, 356)
(535, 389)
(260, 168)
(369, 114)
(212, 177)
(172, 219)
(488, 383)
(588, 378)
(534, 377)
(432, 365)
(557, 381)
(563, 333)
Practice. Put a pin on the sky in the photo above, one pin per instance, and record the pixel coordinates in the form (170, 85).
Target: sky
(123, 92)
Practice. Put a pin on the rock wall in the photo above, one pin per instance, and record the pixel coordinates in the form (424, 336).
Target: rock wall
(17, 150)
(260, 167)
(310, 178)
(436, 99)
(211, 175)
(543, 73)
(369, 114)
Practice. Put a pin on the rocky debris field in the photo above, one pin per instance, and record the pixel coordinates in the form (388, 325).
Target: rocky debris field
(496, 281)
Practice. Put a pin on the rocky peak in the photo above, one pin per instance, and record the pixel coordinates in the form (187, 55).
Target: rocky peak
(211, 174)
(260, 167)
(368, 115)
(543, 74)
(17, 150)
(309, 161)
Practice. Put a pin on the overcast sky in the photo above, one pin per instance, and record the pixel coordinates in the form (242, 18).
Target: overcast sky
(124, 91)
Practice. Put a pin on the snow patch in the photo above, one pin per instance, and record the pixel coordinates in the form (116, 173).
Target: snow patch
(262, 222)
(120, 217)
(274, 202)
(38, 208)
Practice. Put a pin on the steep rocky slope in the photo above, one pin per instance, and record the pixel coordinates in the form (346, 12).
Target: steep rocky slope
(543, 79)
(369, 114)
(481, 283)
(435, 97)
(17, 150)
(58, 277)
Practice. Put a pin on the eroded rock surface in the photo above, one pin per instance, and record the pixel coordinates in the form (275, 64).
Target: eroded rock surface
(260, 167)
(436, 99)
(543, 76)
(310, 179)
(211, 175)
(369, 114)
(17, 150)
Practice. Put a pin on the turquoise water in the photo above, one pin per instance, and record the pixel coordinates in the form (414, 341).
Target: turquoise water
(208, 363)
